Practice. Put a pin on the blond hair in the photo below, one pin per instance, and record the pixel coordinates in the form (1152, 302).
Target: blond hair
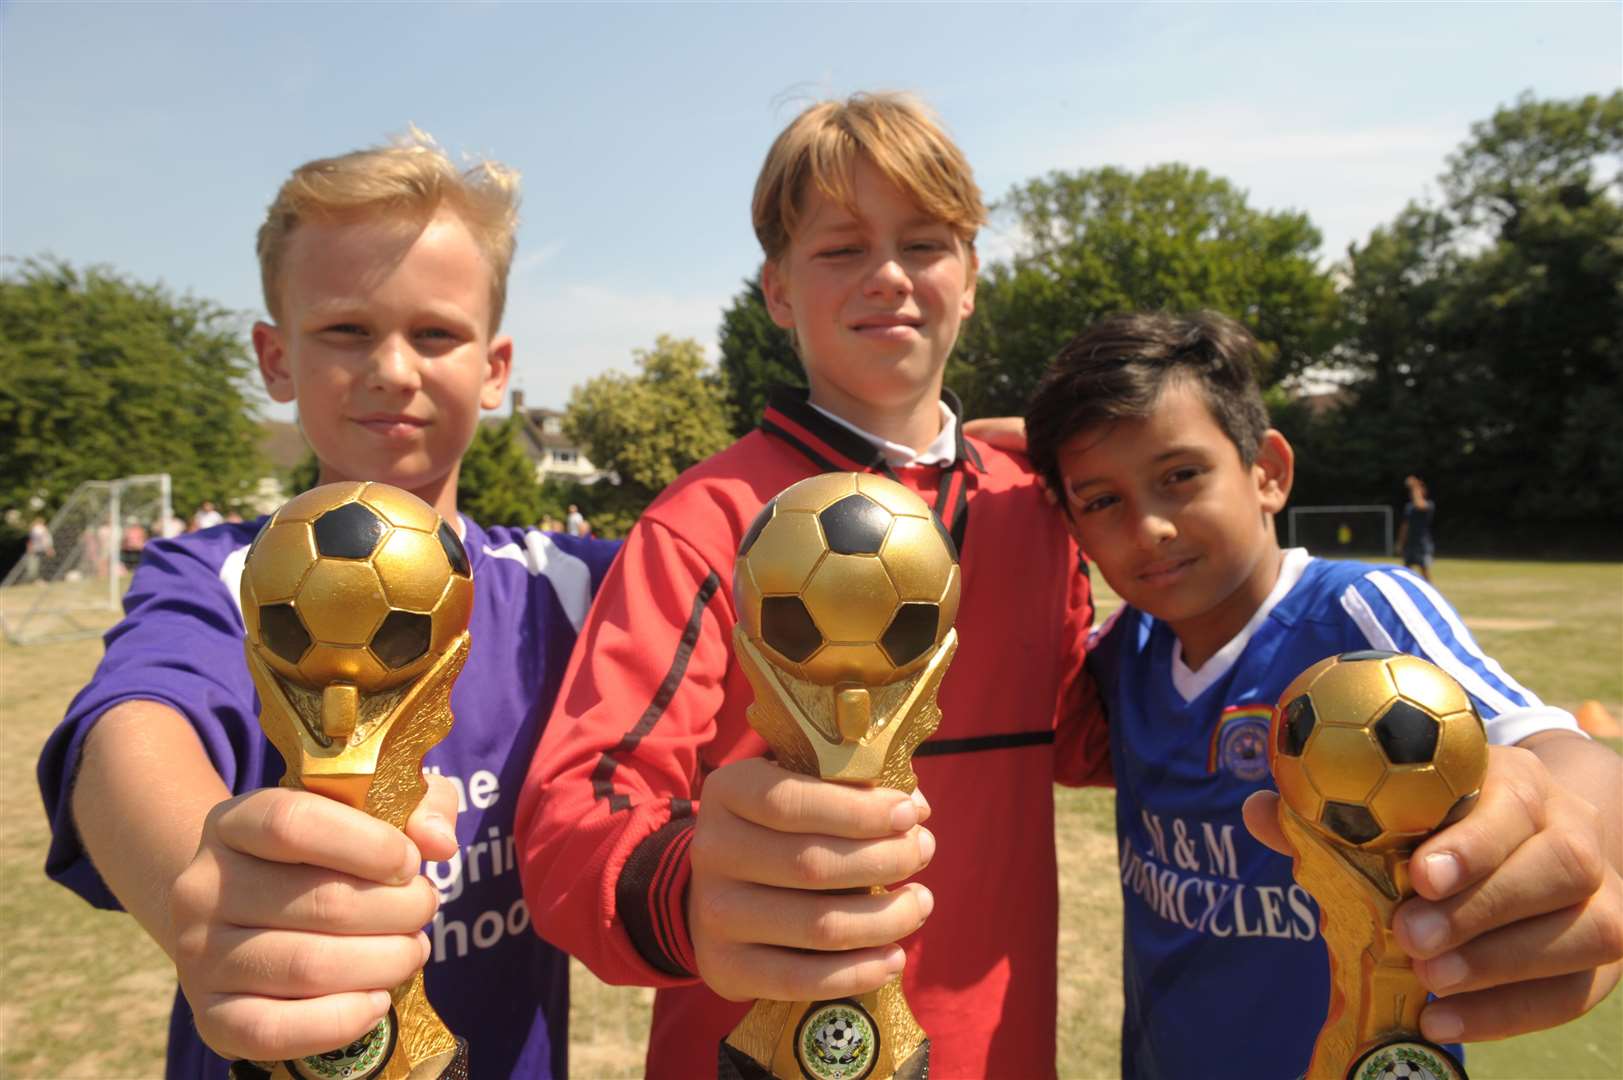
(410, 179)
(896, 133)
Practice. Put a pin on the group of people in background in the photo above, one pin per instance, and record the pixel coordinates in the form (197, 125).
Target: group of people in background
(40, 547)
(573, 524)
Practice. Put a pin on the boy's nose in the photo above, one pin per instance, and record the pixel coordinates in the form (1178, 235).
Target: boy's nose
(889, 278)
(1155, 529)
(394, 366)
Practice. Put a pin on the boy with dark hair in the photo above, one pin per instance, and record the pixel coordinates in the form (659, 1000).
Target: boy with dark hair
(1152, 431)
(289, 915)
(659, 846)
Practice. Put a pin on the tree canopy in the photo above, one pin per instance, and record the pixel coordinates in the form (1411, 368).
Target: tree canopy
(1484, 336)
(497, 484)
(102, 376)
(756, 355)
(1101, 241)
(648, 427)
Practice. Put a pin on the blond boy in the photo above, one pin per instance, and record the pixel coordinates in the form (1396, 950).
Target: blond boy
(289, 916)
(657, 844)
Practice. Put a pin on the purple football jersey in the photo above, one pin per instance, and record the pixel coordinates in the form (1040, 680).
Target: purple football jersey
(180, 643)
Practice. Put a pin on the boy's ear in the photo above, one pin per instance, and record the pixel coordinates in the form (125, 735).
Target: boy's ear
(498, 370)
(973, 268)
(272, 353)
(1275, 469)
(775, 287)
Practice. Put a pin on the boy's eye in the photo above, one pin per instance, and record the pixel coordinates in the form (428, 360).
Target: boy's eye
(837, 252)
(1088, 504)
(344, 329)
(1097, 503)
(1183, 474)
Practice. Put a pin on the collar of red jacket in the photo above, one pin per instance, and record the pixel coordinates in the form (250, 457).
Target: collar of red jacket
(831, 447)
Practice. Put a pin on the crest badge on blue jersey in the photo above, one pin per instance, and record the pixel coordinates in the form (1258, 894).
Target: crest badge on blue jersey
(1239, 744)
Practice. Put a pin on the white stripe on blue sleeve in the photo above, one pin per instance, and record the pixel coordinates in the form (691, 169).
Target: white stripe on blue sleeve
(1407, 615)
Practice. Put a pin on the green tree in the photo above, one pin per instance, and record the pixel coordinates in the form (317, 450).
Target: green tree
(102, 376)
(1172, 237)
(1387, 339)
(497, 483)
(756, 355)
(648, 427)
(1485, 335)
(1535, 318)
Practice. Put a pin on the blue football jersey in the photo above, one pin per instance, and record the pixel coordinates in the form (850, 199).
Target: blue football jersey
(1224, 971)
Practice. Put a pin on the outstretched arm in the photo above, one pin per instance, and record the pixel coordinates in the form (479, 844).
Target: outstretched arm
(288, 916)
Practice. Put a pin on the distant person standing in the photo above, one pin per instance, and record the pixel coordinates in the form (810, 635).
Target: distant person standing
(574, 524)
(40, 546)
(131, 543)
(206, 517)
(1414, 531)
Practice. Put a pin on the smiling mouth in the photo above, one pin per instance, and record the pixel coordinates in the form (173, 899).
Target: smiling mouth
(1165, 571)
(898, 331)
(391, 425)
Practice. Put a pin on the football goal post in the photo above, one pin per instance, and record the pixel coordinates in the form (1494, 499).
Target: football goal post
(65, 590)
(1346, 531)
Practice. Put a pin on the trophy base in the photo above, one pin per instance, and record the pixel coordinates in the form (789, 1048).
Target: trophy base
(455, 1069)
(1411, 1057)
(733, 1064)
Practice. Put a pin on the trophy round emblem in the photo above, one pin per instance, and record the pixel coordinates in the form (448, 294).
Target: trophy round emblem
(363, 1058)
(1407, 1059)
(836, 1040)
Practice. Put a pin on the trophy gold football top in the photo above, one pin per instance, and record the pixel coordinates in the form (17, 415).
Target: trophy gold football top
(846, 587)
(1372, 752)
(356, 599)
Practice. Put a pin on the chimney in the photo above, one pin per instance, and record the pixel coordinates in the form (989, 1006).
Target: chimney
(518, 402)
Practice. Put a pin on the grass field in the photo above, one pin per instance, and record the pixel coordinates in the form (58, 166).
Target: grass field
(86, 995)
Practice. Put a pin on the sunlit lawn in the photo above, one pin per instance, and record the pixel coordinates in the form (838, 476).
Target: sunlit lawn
(85, 995)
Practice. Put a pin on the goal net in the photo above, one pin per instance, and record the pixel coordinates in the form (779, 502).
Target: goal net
(1341, 531)
(68, 580)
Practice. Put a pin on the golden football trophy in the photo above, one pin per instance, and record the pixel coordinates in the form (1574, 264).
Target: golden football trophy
(356, 599)
(1372, 752)
(846, 587)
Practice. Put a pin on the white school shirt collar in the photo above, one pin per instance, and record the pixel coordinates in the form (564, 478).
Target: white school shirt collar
(1191, 684)
(943, 449)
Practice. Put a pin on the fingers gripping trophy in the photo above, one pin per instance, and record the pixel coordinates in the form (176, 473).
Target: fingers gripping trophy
(846, 587)
(1372, 752)
(356, 599)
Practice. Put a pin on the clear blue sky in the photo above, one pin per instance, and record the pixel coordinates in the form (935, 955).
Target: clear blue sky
(151, 136)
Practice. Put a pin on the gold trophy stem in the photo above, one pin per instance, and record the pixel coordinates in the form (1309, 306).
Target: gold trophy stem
(851, 734)
(1375, 995)
(370, 756)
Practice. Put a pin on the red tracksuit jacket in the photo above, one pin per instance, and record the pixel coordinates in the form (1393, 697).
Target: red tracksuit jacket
(654, 701)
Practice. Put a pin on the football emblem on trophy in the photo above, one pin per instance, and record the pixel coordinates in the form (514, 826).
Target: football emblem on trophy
(847, 577)
(1375, 749)
(355, 583)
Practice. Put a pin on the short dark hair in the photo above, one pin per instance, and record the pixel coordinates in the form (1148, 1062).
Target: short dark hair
(1118, 368)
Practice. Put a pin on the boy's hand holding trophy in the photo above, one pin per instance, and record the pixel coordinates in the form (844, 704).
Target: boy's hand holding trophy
(1372, 752)
(846, 587)
(356, 599)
